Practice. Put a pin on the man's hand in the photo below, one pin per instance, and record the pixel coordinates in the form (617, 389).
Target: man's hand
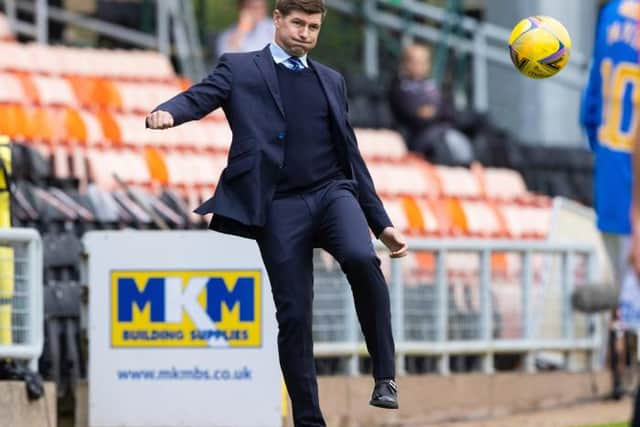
(394, 240)
(159, 120)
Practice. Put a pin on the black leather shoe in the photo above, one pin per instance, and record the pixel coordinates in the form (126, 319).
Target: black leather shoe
(385, 394)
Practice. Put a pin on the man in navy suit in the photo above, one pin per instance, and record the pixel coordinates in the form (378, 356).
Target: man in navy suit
(295, 180)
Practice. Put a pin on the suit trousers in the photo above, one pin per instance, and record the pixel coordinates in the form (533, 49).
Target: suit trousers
(328, 218)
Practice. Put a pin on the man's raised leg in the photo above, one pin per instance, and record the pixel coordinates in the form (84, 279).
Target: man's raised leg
(287, 252)
(344, 233)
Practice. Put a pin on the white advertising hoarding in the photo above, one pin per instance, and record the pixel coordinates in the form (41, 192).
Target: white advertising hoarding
(182, 331)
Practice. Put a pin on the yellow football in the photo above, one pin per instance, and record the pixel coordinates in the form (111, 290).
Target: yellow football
(539, 46)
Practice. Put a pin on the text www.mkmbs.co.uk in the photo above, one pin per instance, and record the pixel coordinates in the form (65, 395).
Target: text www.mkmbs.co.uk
(195, 374)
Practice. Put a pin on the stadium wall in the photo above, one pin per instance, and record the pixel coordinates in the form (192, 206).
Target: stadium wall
(437, 398)
(431, 398)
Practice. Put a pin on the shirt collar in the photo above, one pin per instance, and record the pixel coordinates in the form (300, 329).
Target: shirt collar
(279, 55)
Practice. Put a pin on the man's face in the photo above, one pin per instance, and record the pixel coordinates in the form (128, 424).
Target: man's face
(417, 63)
(257, 8)
(297, 33)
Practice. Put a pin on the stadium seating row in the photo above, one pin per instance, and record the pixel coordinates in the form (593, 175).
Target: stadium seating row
(75, 126)
(454, 217)
(195, 176)
(70, 61)
(87, 92)
(185, 167)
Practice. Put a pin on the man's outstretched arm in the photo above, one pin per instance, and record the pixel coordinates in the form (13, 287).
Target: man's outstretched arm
(371, 204)
(196, 102)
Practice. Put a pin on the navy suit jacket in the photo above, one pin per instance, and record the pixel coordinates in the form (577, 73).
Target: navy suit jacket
(245, 85)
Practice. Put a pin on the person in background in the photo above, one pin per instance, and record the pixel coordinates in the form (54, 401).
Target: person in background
(421, 111)
(253, 31)
(611, 137)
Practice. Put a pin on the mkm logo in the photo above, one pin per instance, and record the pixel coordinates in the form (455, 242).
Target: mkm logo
(186, 309)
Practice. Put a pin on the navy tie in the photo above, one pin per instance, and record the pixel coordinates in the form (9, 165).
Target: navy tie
(295, 63)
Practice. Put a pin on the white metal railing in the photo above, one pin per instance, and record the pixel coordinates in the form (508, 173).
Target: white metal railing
(21, 295)
(543, 280)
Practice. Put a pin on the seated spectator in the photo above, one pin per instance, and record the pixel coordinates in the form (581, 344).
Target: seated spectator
(253, 31)
(422, 113)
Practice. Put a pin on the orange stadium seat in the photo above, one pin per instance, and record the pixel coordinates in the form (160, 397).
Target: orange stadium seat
(381, 144)
(191, 135)
(396, 212)
(46, 127)
(457, 182)
(11, 89)
(502, 184)
(45, 59)
(456, 214)
(54, 91)
(157, 166)
(99, 164)
(422, 218)
(83, 88)
(75, 127)
(133, 168)
(400, 179)
(16, 122)
(167, 138)
(178, 174)
(154, 65)
(434, 217)
(414, 215)
(141, 65)
(143, 97)
(93, 128)
(14, 57)
(198, 134)
(128, 165)
(105, 94)
(110, 128)
(28, 86)
(132, 130)
(219, 135)
(482, 219)
(526, 222)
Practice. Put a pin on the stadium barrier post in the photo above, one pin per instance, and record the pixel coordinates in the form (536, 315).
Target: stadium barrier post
(567, 310)
(527, 326)
(397, 312)
(442, 304)
(487, 310)
(351, 332)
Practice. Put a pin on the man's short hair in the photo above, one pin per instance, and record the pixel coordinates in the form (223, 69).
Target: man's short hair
(307, 6)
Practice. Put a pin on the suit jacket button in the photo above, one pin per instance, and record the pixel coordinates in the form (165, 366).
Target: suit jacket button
(281, 135)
